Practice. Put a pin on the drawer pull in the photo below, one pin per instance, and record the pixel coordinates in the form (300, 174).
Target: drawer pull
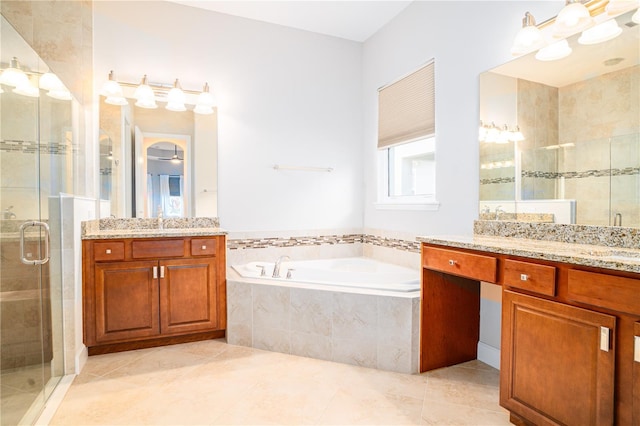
(204, 247)
(452, 262)
(604, 339)
(524, 277)
(162, 272)
(636, 348)
(108, 251)
(155, 272)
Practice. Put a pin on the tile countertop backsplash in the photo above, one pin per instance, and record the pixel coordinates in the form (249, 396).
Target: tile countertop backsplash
(596, 246)
(112, 228)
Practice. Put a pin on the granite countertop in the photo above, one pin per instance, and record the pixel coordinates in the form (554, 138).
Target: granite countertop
(112, 228)
(620, 259)
(152, 233)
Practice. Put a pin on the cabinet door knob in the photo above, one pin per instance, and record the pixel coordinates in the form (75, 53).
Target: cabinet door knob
(524, 277)
(204, 247)
(108, 251)
(452, 262)
(636, 348)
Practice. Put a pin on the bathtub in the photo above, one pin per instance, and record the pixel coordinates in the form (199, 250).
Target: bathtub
(351, 310)
(355, 273)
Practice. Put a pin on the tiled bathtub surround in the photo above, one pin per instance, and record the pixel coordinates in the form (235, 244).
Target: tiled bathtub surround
(608, 236)
(377, 331)
(392, 247)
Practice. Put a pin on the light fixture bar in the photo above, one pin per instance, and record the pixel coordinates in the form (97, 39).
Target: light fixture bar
(160, 86)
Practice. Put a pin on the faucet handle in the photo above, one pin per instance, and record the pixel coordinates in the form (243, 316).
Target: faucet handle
(289, 272)
(262, 271)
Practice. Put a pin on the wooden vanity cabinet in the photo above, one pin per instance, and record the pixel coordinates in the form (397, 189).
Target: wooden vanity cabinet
(149, 292)
(570, 352)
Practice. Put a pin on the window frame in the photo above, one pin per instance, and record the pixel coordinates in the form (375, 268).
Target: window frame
(402, 202)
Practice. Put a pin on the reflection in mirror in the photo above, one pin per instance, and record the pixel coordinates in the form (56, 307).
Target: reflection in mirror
(579, 161)
(143, 142)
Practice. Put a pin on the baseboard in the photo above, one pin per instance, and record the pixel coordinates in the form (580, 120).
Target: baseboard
(489, 355)
(81, 359)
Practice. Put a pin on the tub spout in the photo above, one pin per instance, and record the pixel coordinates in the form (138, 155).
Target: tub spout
(276, 266)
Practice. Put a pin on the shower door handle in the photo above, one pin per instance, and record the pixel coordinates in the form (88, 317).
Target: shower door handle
(45, 259)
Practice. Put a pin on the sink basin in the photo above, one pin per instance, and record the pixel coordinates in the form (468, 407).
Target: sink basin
(620, 255)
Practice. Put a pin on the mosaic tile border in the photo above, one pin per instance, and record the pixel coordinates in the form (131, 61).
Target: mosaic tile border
(566, 233)
(280, 242)
(627, 171)
(31, 147)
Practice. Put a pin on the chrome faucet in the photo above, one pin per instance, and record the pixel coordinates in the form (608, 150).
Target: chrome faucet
(617, 219)
(276, 266)
(485, 210)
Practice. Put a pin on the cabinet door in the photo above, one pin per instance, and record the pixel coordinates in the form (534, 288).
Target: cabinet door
(188, 300)
(636, 373)
(557, 362)
(126, 301)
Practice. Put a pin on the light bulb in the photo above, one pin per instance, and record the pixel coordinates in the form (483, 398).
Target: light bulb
(608, 30)
(14, 76)
(529, 37)
(555, 51)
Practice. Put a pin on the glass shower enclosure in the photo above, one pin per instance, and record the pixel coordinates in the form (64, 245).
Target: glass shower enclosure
(36, 163)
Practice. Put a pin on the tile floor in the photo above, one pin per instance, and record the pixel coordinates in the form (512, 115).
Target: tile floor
(212, 382)
(20, 388)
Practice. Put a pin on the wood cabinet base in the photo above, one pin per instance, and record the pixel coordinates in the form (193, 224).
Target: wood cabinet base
(150, 343)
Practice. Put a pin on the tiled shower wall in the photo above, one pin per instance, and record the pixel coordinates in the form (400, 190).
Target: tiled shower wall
(600, 118)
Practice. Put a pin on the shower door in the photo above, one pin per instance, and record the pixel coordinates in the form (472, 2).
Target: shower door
(33, 167)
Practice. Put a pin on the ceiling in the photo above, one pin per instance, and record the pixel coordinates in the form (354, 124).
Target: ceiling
(351, 20)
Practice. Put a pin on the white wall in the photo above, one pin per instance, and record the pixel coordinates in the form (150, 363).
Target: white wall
(465, 38)
(285, 97)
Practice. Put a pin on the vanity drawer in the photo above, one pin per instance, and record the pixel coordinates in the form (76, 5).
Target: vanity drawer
(530, 276)
(606, 291)
(104, 252)
(475, 266)
(203, 247)
(157, 248)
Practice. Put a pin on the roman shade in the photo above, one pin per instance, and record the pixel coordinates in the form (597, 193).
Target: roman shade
(406, 108)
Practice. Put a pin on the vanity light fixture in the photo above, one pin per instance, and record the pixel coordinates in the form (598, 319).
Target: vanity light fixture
(112, 90)
(205, 102)
(574, 17)
(615, 7)
(27, 89)
(516, 135)
(54, 87)
(553, 52)
(175, 98)
(14, 76)
(529, 38)
(145, 98)
(503, 135)
(605, 31)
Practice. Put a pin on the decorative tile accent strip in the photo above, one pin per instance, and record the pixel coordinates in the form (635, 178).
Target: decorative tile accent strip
(497, 180)
(404, 245)
(258, 243)
(31, 147)
(627, 171)
(609, 236)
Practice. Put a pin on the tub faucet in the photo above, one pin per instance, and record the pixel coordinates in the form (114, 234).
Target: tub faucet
(276, 266)
(617, 219)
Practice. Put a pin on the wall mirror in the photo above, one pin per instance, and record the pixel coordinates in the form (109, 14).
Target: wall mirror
(155, 160)
(560, 139)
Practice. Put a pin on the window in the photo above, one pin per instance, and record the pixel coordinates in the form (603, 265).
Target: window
(406, 141)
